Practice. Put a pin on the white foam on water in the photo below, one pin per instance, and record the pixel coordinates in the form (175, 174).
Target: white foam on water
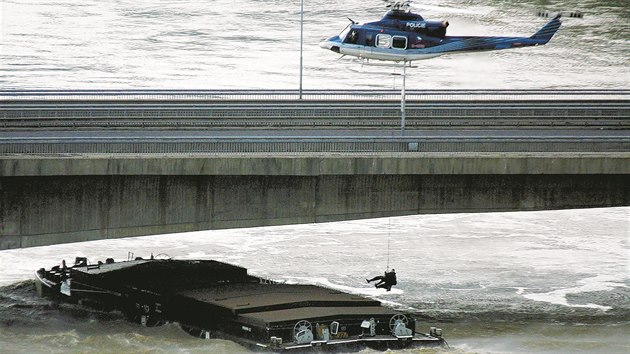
(559, 297)
(490, 258)
(369, 291)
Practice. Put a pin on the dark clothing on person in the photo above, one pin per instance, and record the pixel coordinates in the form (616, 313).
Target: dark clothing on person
(378, 277)
(385, 281)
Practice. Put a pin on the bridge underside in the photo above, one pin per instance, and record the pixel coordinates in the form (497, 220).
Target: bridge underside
(44, 210)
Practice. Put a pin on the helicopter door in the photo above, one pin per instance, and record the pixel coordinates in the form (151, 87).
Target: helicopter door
(368, 44)
(399, 42)
(383, 40)
(387, 41)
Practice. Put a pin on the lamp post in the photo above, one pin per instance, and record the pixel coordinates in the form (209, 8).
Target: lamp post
(403, 99)
(301, 41)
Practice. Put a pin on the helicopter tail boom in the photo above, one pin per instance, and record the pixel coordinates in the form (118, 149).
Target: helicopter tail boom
(548, 30)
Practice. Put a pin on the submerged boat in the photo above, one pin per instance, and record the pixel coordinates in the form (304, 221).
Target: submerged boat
(211, 299)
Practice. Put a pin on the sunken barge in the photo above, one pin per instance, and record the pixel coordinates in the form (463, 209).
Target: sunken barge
(211, 299)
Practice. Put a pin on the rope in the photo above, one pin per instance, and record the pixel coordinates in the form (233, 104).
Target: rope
(389, 231)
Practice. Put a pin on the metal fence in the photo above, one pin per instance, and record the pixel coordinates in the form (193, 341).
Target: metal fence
(313, 145)
(319, 95)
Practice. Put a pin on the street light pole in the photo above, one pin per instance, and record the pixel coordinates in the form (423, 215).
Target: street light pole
(403, 98)
(301, 42)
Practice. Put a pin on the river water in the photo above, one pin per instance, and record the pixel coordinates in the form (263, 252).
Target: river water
(254, 44)
(544, 282)
(523, 282)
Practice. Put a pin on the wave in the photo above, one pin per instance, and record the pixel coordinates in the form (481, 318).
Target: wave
(594, 285)
(20, 306)
(32, 324)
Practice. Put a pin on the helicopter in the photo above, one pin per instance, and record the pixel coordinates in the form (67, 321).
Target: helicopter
(402, 35)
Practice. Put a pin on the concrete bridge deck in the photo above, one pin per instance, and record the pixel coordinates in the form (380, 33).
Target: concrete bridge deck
(67, 183)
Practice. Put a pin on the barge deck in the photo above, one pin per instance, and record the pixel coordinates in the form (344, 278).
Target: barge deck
(214, 299)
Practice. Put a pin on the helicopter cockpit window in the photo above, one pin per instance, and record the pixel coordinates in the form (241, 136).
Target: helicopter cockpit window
(352, 37)
(383, 40)
(344, 33)
(399, 42)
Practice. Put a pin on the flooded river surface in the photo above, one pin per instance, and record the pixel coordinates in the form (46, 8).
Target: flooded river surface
(525, 282)
(255, 44)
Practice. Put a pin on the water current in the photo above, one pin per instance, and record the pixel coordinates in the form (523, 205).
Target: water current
(254, 44)
(527, 282)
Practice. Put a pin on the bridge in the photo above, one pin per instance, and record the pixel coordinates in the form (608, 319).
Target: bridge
(87, 165)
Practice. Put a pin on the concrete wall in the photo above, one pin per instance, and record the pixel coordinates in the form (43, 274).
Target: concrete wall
(316, 164)
(55, 200)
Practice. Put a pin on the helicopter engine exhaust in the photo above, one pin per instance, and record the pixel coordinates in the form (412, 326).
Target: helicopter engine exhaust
(430, 28)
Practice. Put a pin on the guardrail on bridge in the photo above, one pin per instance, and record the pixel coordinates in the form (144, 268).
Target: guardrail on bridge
(225, 95)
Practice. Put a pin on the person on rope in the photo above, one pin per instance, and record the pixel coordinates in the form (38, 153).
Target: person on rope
(385, 281)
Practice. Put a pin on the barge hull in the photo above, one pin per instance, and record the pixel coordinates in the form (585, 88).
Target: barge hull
(214, 299)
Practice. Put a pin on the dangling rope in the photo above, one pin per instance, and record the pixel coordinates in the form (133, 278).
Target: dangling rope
(389, 231)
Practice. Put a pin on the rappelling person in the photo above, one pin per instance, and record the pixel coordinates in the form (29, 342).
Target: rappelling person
(385, 281)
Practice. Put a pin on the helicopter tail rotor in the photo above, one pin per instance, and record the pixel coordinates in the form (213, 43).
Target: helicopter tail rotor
(570, 14)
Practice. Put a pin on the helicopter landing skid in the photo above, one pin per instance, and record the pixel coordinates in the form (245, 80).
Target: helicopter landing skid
(396, 64)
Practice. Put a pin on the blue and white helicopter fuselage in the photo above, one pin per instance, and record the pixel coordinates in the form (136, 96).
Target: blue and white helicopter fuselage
(404, 36)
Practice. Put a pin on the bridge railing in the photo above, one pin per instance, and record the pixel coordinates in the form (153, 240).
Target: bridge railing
(246, 145)
(318, 95)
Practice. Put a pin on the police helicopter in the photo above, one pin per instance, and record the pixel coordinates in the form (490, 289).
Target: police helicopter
(404, 36)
